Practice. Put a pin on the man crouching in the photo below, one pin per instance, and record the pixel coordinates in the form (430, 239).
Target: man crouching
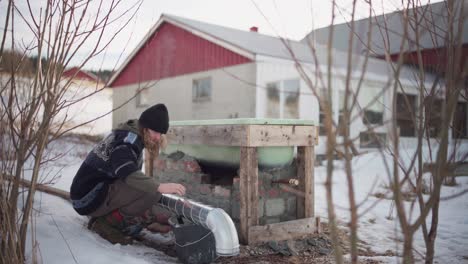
(111, 188)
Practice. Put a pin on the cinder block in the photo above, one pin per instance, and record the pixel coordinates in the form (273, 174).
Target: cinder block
(275, 207)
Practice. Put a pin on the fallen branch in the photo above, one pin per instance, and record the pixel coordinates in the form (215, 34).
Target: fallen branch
(44, 188)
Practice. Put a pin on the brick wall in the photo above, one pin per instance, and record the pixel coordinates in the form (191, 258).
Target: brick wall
(274, 205)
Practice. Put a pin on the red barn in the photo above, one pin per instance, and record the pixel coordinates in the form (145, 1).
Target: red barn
(77, 73)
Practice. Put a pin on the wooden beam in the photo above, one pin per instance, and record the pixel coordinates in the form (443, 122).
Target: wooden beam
(305, 171)
(295, 229)
(278, 135)
(248, 191)
(244, 135)
(219, 135)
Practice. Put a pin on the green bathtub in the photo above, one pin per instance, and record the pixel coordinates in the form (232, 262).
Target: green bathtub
(230, 155)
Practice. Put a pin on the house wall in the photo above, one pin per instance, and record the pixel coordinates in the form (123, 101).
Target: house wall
(233, 95)
(271, 70)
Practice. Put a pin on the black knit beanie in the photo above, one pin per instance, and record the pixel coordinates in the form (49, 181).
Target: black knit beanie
(155, 118)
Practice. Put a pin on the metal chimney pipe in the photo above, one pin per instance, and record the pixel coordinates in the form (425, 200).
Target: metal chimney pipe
(214, 219)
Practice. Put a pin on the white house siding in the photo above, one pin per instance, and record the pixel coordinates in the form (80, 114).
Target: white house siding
(273, 70)
(276, 70)
(232, 95)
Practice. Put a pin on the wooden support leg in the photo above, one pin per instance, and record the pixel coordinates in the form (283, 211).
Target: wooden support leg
(305, 170)
(149, 163)
(248, 191)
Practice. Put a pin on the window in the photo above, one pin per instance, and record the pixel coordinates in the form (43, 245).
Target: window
(291, 93)
(433, 111)
(283, 93)
(372, 140)
(273, 103)
(371, 101)
(405, 114)
(201, 89)
(142, 97)
(459, 129)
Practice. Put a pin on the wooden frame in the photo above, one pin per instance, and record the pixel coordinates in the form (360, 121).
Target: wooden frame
(248, 138)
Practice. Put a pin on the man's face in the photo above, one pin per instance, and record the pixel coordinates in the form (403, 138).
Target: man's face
(153, 135)
(151, 140)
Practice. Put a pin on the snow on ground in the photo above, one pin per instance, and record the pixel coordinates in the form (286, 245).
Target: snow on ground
(62, 235)
(375, 227)
(96, 102)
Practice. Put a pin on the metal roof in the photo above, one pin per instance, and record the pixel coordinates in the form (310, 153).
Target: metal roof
(250, 43)
(432, 22)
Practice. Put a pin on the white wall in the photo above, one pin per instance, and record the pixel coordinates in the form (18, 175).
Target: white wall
(233, 94)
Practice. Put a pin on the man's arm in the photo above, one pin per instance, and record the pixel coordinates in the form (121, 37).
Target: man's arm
(124, 164)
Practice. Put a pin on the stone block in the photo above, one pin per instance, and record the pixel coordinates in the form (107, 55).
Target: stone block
(160, 164)
(236, 182)
(205, 189)
(222, 192)
(274, 207)
(191, 166)
(292, 206)
(235, 210)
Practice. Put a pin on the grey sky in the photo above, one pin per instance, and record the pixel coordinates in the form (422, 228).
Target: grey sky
(289, 18)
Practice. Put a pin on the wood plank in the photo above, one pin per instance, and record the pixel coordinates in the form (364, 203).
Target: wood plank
(300, 200)
(278, 135)
(309, 183)
(248, 190)
(305, 171)
(253, 186)
(149, 163)
(295, 229)
(248, 174)
(244, 135)
(219, 135)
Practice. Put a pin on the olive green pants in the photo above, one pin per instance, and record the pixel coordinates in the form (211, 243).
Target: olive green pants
(130, 201)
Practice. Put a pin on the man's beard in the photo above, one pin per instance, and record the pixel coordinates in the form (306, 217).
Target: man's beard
(150, 145)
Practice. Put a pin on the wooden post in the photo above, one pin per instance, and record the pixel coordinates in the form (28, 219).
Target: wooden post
(305, 170)
(248, 191)
(149, 163)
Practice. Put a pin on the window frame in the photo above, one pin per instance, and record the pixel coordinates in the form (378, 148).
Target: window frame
(197, 89)
(142, 97)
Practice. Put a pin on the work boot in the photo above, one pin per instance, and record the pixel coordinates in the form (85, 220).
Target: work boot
(115, 227)
(102, 227)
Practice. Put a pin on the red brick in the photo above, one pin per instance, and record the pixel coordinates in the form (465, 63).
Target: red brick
(273, 193)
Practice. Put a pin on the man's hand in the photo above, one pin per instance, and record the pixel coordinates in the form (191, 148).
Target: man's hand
(172, 188)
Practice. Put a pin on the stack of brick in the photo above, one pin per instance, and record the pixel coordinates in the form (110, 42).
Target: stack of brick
(275, 204)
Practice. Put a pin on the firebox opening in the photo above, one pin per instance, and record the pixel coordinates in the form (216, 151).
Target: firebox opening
(218, 174)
